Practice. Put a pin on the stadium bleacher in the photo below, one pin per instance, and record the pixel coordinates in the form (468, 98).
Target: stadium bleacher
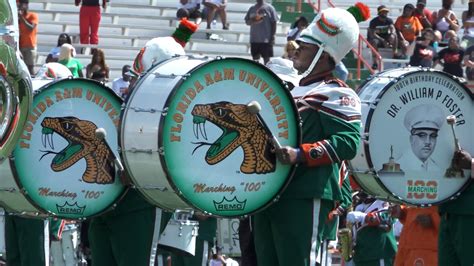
(126, 26)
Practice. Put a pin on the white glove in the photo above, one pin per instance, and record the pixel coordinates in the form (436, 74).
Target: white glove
(355, 216)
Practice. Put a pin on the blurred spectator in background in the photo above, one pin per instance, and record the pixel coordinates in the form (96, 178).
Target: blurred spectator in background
(213, 7)
(469, 62)
(451, 58)
(290, 49)
(54, 53)
(300, 24)
(445, 21)
(424, 15)
(65, 58)
(89, 20)
(408, 28)
(419, 236)
(98, 69)
(190, 9)
(120, 85)
(27, 24)
(424, 53)
(468, 25)
(262, 19)
(381, 33)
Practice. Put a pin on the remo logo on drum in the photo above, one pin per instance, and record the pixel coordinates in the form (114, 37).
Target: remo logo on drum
(217, 147)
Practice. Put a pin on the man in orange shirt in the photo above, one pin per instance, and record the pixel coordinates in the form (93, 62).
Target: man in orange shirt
(418, 244)
(27, 23)
(408, 28)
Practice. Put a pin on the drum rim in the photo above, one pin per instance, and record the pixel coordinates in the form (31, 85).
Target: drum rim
(365, 144)
(15, 174)
(298, 136)
(19, 116)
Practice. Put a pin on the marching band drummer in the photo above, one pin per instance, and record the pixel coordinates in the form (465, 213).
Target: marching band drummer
(289, 231)
(375, 242)
(128, 235)
(457, 217)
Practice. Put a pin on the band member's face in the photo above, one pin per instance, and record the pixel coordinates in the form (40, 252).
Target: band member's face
(423, 142)
(304, 56)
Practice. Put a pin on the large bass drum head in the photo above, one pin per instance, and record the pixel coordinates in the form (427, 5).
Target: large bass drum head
(407, 140)
(215, 149)
(59, 162)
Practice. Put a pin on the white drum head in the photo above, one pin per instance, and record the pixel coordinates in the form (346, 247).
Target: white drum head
(408, 142)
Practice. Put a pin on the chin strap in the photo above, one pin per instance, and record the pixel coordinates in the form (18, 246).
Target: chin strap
(313, 63)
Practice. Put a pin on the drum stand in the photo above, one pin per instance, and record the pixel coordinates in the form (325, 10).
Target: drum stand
(180, 233)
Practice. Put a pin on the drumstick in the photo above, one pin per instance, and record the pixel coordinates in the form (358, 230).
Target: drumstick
(254, 108)
(451, 120)
(101, 133)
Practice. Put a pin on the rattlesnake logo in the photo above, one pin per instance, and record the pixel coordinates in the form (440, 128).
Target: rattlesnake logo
(240, 129)
(82, 143)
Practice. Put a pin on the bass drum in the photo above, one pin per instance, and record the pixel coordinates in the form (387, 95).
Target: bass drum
(60, 166)
(407, 142)
(189, 139)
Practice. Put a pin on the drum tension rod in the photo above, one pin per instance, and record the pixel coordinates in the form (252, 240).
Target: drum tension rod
(11, 189)
(169, 76)
(135, 150)
(149, 110)
(150, 187)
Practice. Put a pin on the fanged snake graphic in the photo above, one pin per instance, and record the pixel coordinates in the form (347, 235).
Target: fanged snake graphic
(82, 143)
(240, 129)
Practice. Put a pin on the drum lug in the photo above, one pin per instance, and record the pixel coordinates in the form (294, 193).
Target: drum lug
(161, 151)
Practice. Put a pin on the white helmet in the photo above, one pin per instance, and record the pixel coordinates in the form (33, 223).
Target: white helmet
(335, 31)
(53, 71)
(163, 48)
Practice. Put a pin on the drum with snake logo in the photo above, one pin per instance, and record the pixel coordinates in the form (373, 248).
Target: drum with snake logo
(60, 166)
(197, 134)
(413, 119)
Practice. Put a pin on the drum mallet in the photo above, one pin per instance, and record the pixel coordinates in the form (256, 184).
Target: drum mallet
(451, 119)
(453, 171)
(101, 133)
(254, 108)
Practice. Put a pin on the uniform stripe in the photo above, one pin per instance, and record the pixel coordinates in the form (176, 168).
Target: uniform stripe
(46, 241)
(314, 236)
(160, 260)
(156, 236)
(343, 173)
(205, 253)
(324, 253)
(331, 152)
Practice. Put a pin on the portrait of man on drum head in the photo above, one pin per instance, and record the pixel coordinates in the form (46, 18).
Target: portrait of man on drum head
(423, 122)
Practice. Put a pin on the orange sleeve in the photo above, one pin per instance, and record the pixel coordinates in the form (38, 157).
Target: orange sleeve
(397, 23)
(419, 27)
(318, 153)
